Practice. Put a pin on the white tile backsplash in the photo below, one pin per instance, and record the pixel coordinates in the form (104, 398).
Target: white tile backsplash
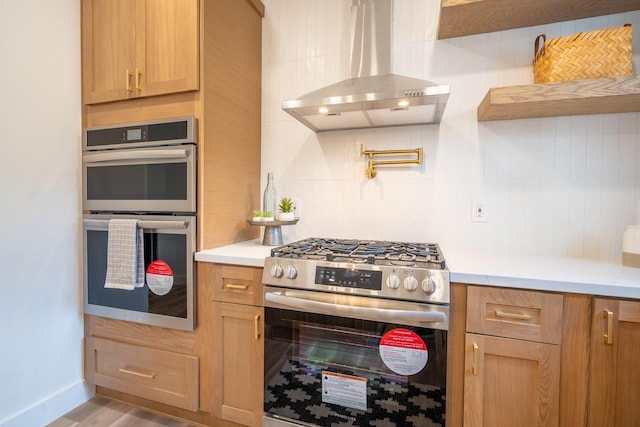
(553, 186)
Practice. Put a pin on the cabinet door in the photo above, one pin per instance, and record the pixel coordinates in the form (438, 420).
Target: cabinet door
(238, 363)
(108, 49)
(134, 48)
(510, 382)
(167, 49)
(615, 364)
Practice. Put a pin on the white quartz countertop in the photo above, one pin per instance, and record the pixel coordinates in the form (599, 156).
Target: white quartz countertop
(251, 253)
(527, 272)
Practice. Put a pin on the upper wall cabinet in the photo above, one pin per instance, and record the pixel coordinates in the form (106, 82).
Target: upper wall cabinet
(137, 48)
(466, 17)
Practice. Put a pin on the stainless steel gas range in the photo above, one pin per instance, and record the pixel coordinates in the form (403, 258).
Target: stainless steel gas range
(355, 333)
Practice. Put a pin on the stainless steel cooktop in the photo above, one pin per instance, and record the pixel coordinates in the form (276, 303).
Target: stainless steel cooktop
(383, 269)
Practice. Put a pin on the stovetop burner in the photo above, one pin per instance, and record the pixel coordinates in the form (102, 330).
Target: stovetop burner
(425, 255)
(408, 271)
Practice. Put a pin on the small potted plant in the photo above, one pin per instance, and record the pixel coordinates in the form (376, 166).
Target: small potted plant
(286, 207)
(257, 216)
(267, 216)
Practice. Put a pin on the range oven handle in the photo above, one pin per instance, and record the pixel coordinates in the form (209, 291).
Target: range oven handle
(141, 224)
(169, 153)
(390, 315)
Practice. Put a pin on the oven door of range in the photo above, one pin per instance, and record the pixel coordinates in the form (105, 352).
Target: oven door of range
(167, 297)
(353, 361)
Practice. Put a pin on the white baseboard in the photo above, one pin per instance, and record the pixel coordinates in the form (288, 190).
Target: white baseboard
(52, 407)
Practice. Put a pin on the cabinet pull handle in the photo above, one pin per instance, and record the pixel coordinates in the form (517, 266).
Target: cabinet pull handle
(256, 324)
(137, 374)
(514, 316)
(138, 80)
(474, 368)
(608, 337)
(127, 83)
(234, 286)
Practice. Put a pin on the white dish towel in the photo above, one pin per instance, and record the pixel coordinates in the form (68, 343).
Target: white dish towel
(125, 255)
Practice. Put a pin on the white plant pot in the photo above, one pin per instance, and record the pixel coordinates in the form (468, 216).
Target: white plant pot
(286, 216)
(267, 218)
(257, 218)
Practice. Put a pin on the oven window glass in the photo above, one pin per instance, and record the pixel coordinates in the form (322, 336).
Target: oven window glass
(169, 248)
(328, 371)
(163, 181)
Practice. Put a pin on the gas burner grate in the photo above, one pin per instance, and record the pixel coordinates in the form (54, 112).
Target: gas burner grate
(361, 251)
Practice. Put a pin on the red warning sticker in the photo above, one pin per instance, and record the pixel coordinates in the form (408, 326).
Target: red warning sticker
(159, 277)
(403, 351)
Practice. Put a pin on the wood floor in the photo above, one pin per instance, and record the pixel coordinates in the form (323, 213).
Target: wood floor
(104, 412)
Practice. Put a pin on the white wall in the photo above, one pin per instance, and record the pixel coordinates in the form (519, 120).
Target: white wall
(40, 126)
(555, 186)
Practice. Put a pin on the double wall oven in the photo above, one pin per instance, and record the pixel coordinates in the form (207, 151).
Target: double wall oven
(355, 334)
(146, 172)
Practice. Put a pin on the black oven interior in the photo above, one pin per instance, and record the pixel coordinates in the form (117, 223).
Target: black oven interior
(327, 370)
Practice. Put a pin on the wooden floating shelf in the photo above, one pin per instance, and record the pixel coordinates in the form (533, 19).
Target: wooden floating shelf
(578, 97)
(466, 17)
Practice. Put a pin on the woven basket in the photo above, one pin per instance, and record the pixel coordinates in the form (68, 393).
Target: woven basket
(586, 55)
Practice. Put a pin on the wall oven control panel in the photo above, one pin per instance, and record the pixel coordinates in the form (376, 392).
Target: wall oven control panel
(144, 134)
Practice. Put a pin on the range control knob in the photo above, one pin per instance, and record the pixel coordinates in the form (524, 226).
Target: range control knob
(393, 281)
(410, 283)
(429, 284)
(277, 271)
(291, 271)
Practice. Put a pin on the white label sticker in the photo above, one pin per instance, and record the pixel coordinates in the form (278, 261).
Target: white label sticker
(344, 390)
(159, 277)
(403, 351)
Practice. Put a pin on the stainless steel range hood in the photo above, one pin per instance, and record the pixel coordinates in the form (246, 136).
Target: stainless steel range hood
(372, 97)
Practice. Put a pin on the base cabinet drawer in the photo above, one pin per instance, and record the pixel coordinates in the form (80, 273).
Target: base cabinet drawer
(515, 313)
(240, 285)
(159, 375)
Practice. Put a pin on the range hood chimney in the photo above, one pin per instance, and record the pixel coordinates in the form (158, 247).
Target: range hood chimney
(372, 97)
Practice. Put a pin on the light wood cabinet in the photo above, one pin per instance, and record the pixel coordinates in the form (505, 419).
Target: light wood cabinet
(511, 382)
(238, 341)
(145, 361)
(138, 48)
(159, 375)
(219, 43)
(615, 363)
(512, 358)
(238, 363)
(227, 104)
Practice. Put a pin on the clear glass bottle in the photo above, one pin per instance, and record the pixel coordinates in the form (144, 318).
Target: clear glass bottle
(269, 202)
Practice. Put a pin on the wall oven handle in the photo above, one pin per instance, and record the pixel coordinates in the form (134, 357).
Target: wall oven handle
(391, 315)
(142, 224)
(169, 153)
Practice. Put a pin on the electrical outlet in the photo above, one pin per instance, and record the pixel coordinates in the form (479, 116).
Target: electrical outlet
(296, 205)
(479, 210)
